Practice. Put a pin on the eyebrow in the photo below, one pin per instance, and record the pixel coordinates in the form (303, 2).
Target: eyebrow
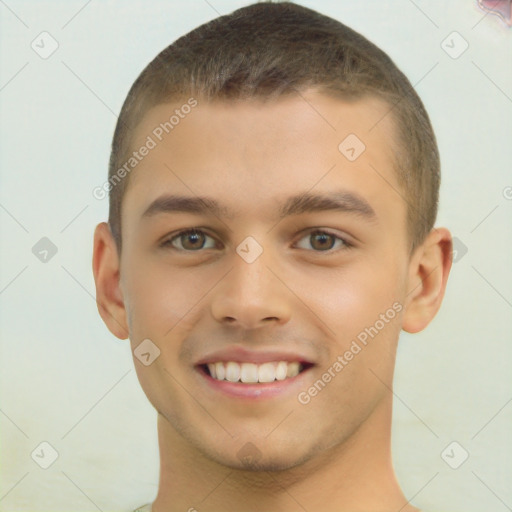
(341, 201)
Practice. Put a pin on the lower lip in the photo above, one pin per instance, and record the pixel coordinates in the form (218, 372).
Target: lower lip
(255, 391)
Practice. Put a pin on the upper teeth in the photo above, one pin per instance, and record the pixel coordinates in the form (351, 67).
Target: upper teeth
(250, 372)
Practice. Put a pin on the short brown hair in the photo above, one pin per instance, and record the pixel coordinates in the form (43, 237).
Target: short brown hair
(269, 49)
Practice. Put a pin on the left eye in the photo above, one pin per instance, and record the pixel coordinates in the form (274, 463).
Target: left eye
(324, 241)
(193, 240)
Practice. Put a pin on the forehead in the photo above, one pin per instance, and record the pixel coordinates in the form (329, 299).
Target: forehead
(250, 153)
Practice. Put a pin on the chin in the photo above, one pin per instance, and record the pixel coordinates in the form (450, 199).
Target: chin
(250, 458)
(268, 464)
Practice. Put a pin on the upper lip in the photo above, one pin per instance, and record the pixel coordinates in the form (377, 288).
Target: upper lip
(239, 354)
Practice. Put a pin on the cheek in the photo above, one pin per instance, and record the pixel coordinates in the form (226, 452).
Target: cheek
(362, 309)
(159, 297)
(350, 299)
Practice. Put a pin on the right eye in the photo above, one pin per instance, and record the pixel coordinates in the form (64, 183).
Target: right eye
(189, 240)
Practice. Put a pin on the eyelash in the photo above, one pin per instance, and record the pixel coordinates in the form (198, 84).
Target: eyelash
(168, 243)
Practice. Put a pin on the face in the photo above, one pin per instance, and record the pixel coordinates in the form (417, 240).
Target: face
(300, 299)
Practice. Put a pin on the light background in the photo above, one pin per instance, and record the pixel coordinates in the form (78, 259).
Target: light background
(66, 380)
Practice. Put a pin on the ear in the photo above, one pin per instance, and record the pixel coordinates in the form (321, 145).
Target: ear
(428, 273)
(105, 267)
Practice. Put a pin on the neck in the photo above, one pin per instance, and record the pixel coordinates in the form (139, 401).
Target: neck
(356, 476)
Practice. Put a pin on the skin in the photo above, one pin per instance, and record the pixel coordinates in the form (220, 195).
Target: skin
(333, 453)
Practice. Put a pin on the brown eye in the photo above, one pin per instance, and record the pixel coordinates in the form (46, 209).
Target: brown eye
(189, 240)
(323, 241)
(193, 240)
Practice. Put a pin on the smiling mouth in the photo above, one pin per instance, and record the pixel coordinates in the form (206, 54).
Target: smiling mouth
(251, 373)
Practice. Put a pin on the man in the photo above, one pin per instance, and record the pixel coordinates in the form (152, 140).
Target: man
(273, 191)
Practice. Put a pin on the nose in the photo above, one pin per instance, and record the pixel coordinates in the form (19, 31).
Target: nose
(251, 295)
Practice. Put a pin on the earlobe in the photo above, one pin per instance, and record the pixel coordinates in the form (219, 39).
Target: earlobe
(428, 274)
(105, 266)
